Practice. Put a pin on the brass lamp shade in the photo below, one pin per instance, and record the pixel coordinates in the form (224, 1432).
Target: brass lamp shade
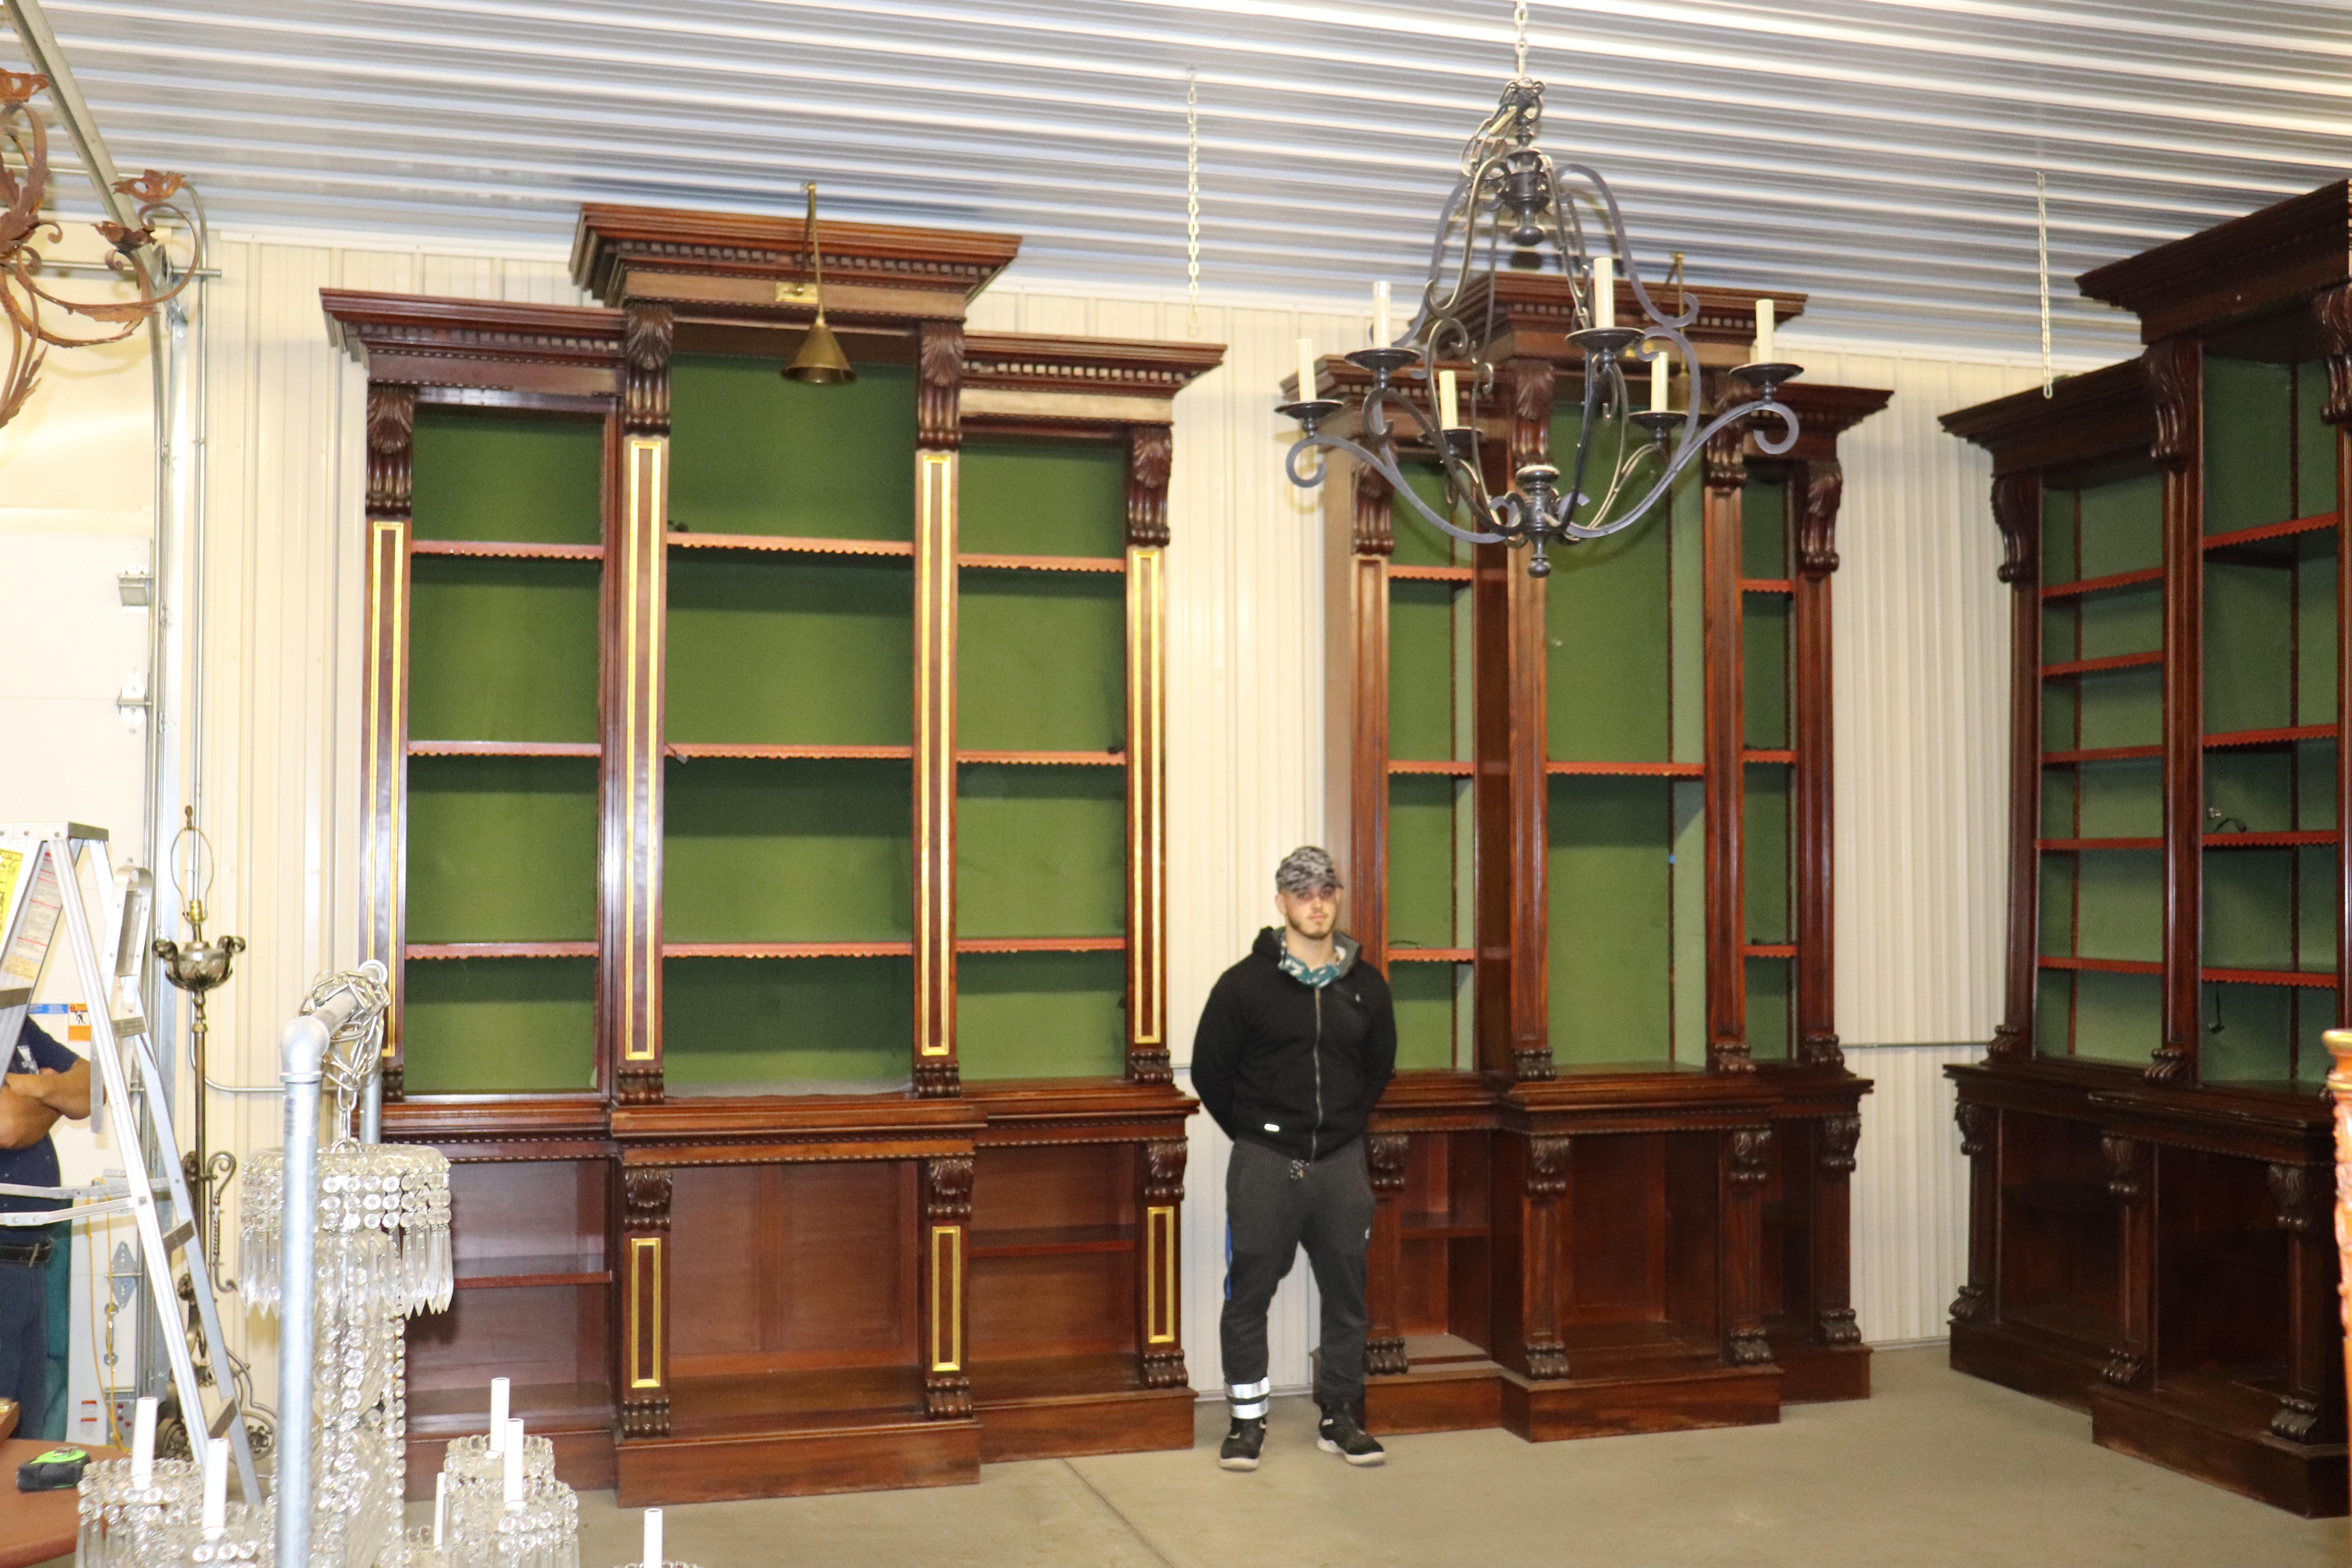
(819, 359)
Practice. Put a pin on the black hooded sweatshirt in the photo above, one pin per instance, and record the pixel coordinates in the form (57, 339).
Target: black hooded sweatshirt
(1294, 1066)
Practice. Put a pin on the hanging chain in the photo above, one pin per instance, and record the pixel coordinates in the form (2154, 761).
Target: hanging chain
(1193, 194)
(1520, 44)
(2041, 244)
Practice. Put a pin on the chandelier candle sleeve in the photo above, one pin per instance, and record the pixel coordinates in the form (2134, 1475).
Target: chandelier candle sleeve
(1604, 290)
(215, 1487)
(440, 1507)
(1306, 369)
(143, 1445)
(1449, 401)
(499, 1387)
(1381, 332)
(1658, 381)
(1763, 331)
(653, 1538)
(512, 1454)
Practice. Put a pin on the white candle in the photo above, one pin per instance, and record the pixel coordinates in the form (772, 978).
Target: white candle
(440, 1506)
(1306, 369)
(1658, 381)
(215, 1487)
(1381, 333)
(499, 1388)
(513, 1456)
(1449, 401)
(653, 1538)
(1763, 331)
(1604, 290)
(142, 1445)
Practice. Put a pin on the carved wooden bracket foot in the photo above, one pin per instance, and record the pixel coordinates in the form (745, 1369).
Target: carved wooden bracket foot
(2296, 1419)
(638, 1085)
(647, 1418)
(1385, 1358)
(1971, 1305)
(1532, 1066)
(1547, 1360)
(1837, 1327)
(2169, 1067)
(1165, 1369)
(1150, 1064)
(1748, 1347)
(395, 1078)
(937, 1078)
(2124, 1370)
(947, 1396)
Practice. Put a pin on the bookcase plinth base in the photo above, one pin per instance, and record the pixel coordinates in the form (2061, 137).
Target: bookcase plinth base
(2218, 1432)
(802, 1462)
(1464, 1398)
(1060, 1426)
(1683, 1400)
(2060, 1371)
(1813, 1373)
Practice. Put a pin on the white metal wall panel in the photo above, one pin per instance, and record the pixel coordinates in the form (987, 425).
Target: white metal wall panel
(1910, 1194)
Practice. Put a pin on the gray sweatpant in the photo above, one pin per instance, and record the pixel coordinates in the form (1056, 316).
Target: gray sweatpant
(1269, 1215)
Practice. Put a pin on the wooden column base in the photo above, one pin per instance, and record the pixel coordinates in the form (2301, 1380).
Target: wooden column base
(717, 1467)
(2218, 1431)
(1049, 1426)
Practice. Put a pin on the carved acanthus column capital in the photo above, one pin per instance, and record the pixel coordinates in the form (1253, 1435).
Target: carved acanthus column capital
(646, 1198)
(1385, 1152)
(1817, 511)
(1373, 525)
(1151, 457)
(2122, 1157)
(1164, 1160)
(1752, 1150)
(2334, 309)
(947, 1190)
(391, 449)
(645, 347)
(1841, 1136)
(1548, 1167)
(1531, 382)
(938, 387)
(1976, 1122)
(2171, 368)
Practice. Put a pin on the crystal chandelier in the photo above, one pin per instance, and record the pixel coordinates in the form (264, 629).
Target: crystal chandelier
(1515, 209)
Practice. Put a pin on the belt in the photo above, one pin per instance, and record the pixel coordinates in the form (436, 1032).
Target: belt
(32, 1254)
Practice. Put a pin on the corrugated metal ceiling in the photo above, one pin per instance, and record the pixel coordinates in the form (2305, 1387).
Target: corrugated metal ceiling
(1879, 154)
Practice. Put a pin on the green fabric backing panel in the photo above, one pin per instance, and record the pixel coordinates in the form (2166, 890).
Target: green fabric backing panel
(1041, 662)
(1770, 997)
(493, 1025)
(753, 453)
(2121, 911)
(1686, 636)
(2053, 1004)
(1764, 627)
(2256, 788)
(1687, 800)
(2062, 631)
(1042, 498)
(501, 649)
(1423, 815)
(2314, 587)
(2249, 909)
(2058, 536)
(2315, 763)
(2060, 709)
(1041, 1014)
(2120, 800)
(2118, 1017)
(1770, 916)
(2122, 707)
(501, 849)
(788, 851)
(1417, 543)
(2255, 1042)
(2057, 883)
(787, 1020)
(1611, 920)
(1420, 671)
(2058, 801)
(1764, 528)
(1041, 851)
(2249, 648)
(2318, 891)
(2122, 525)
(512, 479)
(772, 651)
(1423, 993)
(2314, 442)
(2249, 476)
(1607, 620)
(2127, 620)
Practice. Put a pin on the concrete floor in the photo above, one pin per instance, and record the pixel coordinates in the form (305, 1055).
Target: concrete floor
(1936, 1469)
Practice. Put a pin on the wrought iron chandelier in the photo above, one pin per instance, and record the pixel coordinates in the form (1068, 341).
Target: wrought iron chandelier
(136, 256)
(1525, 212)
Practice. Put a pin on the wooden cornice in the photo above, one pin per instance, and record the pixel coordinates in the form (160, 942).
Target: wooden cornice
(754, 265)
(1535, 311)
(1017, 375)
(426, 340)
(2234, 270)
(1824, 412)
(2100, 414)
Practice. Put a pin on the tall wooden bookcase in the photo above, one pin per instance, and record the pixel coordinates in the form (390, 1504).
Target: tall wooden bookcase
(1587, 824)
(765, 823)
(2149, 1137)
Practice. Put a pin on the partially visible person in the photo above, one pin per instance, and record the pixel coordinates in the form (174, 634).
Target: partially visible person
(1297, 1043)
(45, 1081)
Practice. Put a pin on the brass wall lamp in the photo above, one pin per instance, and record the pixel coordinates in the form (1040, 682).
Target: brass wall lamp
(819, 360)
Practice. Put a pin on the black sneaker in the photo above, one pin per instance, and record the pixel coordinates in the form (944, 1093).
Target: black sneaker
(1239, 1451)
(1340, 1434)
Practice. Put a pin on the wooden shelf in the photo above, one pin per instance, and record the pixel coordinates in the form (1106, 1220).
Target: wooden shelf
(690, 751)
(1053, 1241)
(518, 1273)
(985, 562)
(1433, 766)
(2101, 754)
(1768, 584)
(785, 545)
(788, 949)
(2321, 980)
(1431, 955)
(1768, 950)
(2229, 739)
(1041, 945)
(504, 749)
(2147, 660)
(2269, 840)
(2103, 965)
(515, 550)
(2104, 584)
(2068, 845)
(2311, 524)
(1770, 754)
(1045, 759)
(1431, 574)
(449, 950)
(1626, 770)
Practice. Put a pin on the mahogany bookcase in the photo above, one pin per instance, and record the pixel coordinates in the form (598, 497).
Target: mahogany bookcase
(1587, 823)
(766, 830)
(2149, 1134)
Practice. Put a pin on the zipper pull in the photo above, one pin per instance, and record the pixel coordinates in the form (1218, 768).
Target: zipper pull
(1298, 1170)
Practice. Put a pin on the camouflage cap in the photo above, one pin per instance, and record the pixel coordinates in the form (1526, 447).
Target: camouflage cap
(1308, 869)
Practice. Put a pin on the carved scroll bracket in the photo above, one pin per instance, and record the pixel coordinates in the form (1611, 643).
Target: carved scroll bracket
(1531, 382)
(391, 449)
(1817, 514)
(1840, 1137)
(939, 392)
(2122, 1157)
(1385, 1153)
(2017, 512)
(2334, 309)
(1150, 458)
(2171, 368)
(1163, 1197)
(645, 347)
(1374, 526)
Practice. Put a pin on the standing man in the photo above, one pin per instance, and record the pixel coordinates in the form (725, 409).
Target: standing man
(1296, 1045)
(45, 1082)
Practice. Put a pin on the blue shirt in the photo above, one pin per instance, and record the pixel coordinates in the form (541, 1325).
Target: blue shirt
(35, 1166)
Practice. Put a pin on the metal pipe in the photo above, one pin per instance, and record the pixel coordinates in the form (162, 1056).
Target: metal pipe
(302, 1050)
(41, 48)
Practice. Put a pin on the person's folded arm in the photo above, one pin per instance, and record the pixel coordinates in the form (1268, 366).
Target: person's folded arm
(23, 1121)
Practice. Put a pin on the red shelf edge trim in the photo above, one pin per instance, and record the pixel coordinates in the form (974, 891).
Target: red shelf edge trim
(2104, 965)
(1431, 574)
(1047, 759)
(1768, 584)
(1770, 754)
(512, 550)
(790, 544)
(988, 561)
(2101, 585)
(1769, 950)
(2100, 666)
(506, 749)
(2224, 740)
(2298, 978)
(2311, 524)
(788, 949)
(2278, 840)
(689, 751)
(435, 951)
(1628, 770)
(1460, 770)
(1432, 954)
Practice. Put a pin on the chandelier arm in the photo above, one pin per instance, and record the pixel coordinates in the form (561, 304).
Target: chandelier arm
(1463, 207)
(1565, 520)
(1771, 447)
(1386, 468)
(1633, 272)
